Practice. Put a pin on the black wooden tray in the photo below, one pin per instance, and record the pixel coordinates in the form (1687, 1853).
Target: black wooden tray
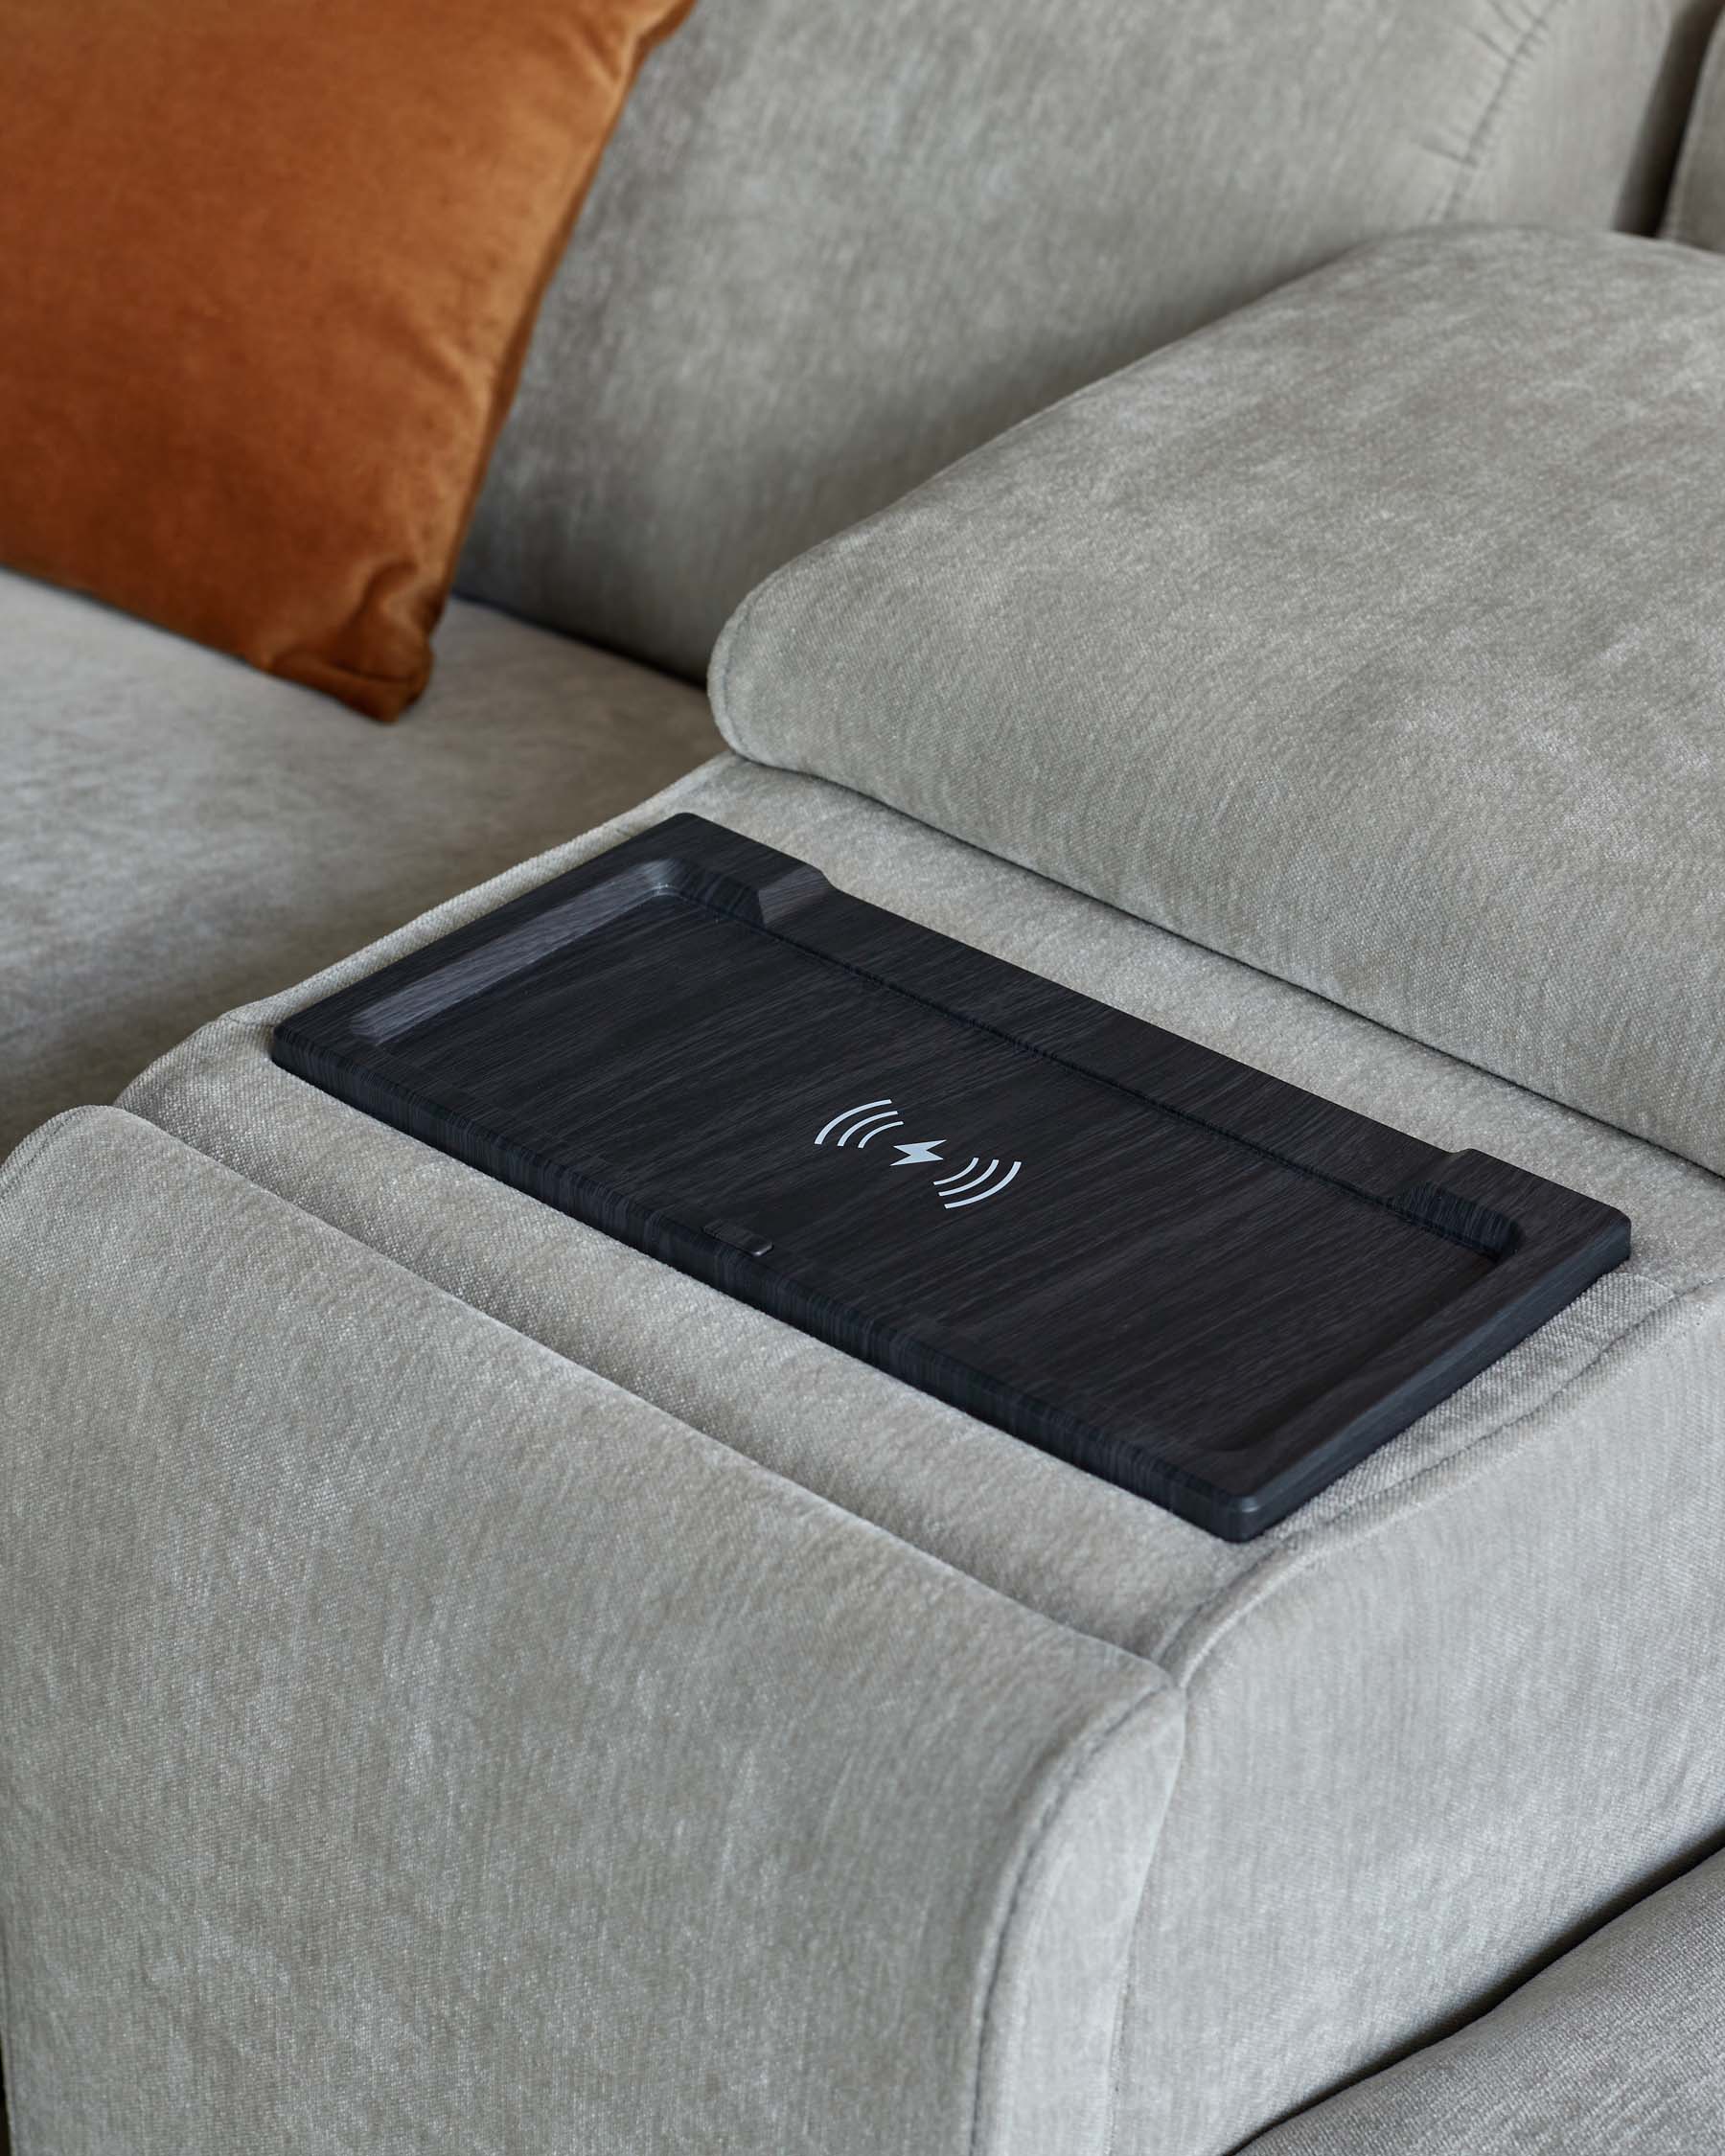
(1204, 1285)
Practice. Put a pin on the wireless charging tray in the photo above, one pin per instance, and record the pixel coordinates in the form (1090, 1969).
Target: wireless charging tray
(1207, 1285)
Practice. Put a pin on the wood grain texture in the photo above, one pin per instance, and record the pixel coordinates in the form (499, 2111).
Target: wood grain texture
(1210, 1287)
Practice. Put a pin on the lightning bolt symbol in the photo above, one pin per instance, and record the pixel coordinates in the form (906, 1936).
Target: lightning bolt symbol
(925, 1149)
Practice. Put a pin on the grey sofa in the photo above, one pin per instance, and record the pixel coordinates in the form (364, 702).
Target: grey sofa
(469, 1685)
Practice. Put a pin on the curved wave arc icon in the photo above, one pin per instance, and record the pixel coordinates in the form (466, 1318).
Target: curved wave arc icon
(970, 1185)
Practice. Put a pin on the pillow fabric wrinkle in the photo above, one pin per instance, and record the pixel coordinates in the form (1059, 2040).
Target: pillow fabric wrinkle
(266, 280)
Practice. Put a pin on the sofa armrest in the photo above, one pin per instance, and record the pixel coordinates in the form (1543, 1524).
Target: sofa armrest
(1372, 636)
(414, 1740)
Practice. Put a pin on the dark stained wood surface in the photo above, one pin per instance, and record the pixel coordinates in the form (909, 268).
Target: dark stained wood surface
(1177, 1273)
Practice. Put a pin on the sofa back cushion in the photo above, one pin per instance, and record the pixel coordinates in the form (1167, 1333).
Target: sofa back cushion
(834, 247)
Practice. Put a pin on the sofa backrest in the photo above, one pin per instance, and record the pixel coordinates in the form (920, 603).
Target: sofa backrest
(833, 247)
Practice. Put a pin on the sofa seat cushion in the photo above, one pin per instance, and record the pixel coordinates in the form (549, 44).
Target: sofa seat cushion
(1616, 2049)
(1437, 1719)
(1373, 637)
(176, 832)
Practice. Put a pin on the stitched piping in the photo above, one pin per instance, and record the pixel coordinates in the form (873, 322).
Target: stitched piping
(1117, 2044)
(1076, 1769)
(1489, 123)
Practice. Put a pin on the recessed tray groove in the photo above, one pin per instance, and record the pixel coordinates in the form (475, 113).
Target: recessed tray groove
(1177, 1273)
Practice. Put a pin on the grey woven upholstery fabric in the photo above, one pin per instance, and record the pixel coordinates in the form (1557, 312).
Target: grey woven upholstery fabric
(1619, 2050)
(413, 1741)
(1437, 1721)
(831, 247)
(1373, 637)
(178, 831)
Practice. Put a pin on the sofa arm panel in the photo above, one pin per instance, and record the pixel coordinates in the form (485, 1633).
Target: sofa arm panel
(416, 1741)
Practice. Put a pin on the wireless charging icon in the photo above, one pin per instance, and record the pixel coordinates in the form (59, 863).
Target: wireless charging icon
(968, 1186)
(851, 1122)
(961, 1189)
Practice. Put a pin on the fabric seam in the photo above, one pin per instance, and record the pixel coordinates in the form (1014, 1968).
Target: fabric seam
(9, 2117)
(1489, 124)
(34, 1142)
(1116, 2043)
(1278, 1567)
(1041, 1831)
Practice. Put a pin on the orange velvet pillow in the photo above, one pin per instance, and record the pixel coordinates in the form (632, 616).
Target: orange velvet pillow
(267, 270)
